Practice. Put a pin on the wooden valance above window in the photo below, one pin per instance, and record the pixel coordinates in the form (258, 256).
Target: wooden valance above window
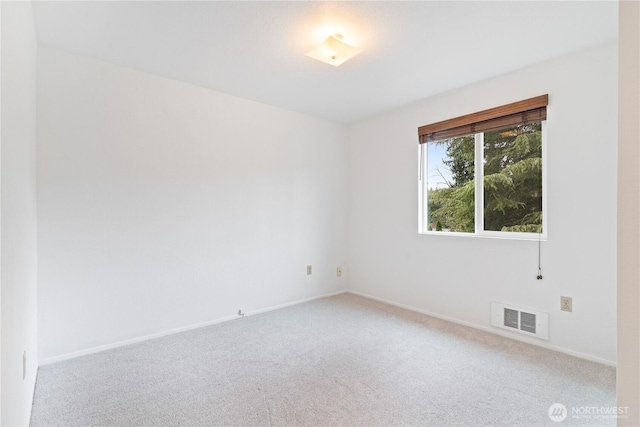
(518, 113)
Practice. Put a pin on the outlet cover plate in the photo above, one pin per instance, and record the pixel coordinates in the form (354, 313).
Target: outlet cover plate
(566, 304)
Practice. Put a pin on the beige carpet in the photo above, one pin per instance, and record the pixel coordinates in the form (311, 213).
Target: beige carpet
(344, 360)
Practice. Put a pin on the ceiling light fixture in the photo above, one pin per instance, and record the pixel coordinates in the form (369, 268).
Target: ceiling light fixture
(334, 51)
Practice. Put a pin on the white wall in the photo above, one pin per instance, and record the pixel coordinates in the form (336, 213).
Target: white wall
(18, 213)
(628, 378)
(163, 205)
(458, 277)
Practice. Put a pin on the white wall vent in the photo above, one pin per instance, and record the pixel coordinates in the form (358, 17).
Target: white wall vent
(522, 320)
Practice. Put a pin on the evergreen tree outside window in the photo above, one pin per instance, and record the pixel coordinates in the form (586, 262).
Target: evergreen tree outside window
(488, 182)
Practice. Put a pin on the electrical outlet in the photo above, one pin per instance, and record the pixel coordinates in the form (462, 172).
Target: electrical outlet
(339, 271)
(309, 270)
(566, 304)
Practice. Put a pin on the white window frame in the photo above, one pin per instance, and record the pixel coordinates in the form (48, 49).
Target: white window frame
(479, 195)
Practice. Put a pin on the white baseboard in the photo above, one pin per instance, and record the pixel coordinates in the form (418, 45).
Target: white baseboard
(104, 347)
(489, 329)
(97, 349)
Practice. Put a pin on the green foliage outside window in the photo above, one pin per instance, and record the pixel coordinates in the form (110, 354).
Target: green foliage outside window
(512, 182)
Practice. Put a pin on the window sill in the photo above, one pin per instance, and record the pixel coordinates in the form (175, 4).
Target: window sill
(487, 235)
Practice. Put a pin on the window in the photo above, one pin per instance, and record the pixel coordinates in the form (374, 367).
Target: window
(483, 173)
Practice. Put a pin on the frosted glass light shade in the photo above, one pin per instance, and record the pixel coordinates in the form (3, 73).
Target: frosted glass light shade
(334, 51)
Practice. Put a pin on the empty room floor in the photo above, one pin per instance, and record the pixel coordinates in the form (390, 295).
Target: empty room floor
(342, 360)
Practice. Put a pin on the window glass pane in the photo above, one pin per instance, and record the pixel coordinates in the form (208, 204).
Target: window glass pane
(513, 179)
(450, 185)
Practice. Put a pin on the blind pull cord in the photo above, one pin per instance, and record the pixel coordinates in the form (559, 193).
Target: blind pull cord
(539, 277)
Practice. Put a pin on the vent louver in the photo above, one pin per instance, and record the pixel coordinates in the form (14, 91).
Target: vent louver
(511, 318)
(528, 322)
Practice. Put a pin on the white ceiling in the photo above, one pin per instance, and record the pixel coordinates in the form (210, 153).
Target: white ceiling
(255, 50)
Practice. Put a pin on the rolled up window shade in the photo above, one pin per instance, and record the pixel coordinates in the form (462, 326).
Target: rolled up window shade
(518, 113)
